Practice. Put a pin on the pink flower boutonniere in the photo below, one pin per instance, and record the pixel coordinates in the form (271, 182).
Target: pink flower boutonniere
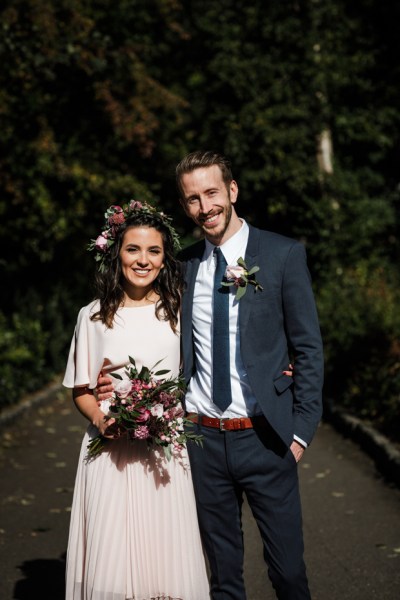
(240, 276)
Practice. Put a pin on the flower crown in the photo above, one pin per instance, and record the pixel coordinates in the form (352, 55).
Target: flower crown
(115, 216)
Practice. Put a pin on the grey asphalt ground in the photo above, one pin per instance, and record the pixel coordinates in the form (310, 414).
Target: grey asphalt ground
(351, 515)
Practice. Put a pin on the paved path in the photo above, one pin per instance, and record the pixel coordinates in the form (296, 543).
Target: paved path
(351, 516)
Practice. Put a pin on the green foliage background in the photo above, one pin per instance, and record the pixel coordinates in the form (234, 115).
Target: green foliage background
(100, 99)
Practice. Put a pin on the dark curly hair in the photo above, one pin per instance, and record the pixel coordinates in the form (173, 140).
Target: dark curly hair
(168, 284)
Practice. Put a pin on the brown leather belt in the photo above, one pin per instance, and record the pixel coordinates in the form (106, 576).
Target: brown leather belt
(228, 424)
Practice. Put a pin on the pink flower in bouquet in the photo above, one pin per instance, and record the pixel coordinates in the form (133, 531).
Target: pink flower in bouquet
(235, 273)
(142, 432)
(166, 399)
(157, 410)
(144, 415)
(177, 411)
(123, 388)
(137, 385)
(101, 243)
(148, 408)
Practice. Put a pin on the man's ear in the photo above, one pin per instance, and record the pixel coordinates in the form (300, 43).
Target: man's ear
(234, 191)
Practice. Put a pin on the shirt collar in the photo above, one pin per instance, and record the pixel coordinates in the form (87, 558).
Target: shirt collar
(230, 249)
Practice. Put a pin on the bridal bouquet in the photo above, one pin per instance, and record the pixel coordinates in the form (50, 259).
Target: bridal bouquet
(146, 407)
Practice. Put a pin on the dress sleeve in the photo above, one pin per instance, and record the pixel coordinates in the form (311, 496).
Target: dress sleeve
(84, 360)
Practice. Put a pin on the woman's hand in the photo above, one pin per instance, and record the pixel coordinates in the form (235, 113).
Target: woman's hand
(106, 425)
(104, 388)
(88, 406)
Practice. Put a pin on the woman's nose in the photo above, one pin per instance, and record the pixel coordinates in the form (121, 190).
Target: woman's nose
(142, 259)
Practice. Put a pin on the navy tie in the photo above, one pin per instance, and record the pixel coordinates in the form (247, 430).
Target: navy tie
(221, 375)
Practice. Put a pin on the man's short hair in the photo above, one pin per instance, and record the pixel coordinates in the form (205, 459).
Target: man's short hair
(202, 159)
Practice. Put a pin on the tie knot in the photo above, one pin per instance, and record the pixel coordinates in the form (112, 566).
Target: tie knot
(219, 256)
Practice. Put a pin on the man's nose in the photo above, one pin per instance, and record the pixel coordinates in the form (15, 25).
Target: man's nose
(206, 205)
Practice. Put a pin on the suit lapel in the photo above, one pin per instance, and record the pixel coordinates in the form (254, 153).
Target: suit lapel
(192, 267)
(251, 258)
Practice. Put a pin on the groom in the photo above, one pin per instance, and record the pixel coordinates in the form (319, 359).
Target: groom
(256, 420)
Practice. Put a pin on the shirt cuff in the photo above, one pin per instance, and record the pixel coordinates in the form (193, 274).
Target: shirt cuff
(300, 441)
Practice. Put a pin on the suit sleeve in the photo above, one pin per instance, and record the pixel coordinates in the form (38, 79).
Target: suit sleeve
(304, 338)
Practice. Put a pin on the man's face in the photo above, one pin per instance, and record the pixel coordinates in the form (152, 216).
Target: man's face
(208, 202)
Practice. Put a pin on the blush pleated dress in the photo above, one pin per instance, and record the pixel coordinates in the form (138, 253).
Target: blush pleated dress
(133, 530)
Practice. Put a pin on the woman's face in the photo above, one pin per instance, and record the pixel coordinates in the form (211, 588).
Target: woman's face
(142, 258)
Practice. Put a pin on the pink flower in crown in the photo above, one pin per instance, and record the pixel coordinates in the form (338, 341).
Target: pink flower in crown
(135, 205)
(235, 273)
(101, 243)
(117, 217)
(144, 415)
(123, 388)
(142, 432)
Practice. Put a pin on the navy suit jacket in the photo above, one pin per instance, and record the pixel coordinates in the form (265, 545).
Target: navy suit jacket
(275, 323)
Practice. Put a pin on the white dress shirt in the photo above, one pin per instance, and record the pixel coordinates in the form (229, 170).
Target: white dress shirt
(199, 394)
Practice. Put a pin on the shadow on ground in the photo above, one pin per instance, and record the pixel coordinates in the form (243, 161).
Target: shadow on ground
(44, 579)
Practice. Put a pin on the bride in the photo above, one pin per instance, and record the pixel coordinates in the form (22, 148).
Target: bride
(133, 530)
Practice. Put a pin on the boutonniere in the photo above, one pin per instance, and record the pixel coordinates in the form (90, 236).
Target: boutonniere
(240, 276)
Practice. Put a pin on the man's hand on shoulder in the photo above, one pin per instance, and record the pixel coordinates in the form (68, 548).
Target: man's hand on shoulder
(297, 450)
(104, 388)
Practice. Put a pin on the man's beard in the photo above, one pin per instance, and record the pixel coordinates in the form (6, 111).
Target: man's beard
(227, 215)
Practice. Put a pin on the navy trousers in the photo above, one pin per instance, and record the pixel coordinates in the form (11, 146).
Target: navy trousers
(254, 462)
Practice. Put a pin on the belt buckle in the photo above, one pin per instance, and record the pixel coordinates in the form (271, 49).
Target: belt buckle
(222, 425)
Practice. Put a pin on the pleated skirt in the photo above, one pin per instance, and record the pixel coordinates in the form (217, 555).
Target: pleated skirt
(133, 531)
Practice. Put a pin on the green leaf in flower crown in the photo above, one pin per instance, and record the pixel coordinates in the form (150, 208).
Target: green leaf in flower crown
(132, 361)
(162, 372)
